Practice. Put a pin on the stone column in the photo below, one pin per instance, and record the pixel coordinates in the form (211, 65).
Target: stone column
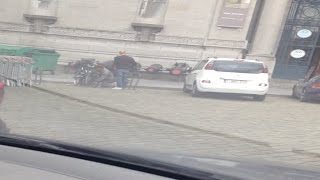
(270, 26)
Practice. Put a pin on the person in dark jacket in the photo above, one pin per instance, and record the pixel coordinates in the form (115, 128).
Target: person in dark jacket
(123, 64)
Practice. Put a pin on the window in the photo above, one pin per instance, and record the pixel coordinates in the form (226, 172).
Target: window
(237, 3)
(200, 65)
(238, 66)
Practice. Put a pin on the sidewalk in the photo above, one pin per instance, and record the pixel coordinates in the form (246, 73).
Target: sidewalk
(154, 84)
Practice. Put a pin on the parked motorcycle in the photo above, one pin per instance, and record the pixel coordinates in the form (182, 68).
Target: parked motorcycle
(154, 68)
(178, 69)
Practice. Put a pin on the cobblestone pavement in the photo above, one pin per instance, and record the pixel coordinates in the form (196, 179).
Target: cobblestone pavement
(279, 121)
(168, 121)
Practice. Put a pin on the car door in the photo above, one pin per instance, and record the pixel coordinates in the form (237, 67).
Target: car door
(194, 72)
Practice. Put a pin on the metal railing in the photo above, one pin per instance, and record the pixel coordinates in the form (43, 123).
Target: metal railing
(16, 71)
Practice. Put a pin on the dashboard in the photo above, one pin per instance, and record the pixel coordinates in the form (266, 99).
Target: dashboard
(18, 164)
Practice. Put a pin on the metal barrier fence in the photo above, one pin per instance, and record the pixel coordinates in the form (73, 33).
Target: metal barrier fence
(15, 70)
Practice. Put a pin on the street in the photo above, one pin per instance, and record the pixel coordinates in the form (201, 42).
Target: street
(280, 129)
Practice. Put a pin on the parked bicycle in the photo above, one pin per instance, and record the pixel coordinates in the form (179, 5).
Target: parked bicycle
(84, 72)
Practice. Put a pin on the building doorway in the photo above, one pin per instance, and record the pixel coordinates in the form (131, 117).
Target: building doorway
(299, 49)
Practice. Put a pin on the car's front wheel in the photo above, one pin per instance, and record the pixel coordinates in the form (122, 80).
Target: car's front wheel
(259, 97)
(195, 92)
(304, 96)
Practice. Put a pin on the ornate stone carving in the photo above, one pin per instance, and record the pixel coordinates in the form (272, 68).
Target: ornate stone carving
(178, 40)
(92, 33)
(126, 36)
(14, 27)
(199, 42)
(38, 27)
(226, 43)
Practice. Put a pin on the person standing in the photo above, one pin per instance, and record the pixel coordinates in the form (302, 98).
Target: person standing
(123, 63)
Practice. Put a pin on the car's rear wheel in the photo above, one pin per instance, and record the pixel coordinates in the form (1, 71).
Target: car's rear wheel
(195, 92)
(185, 89)
(259, 97)
(304, 96)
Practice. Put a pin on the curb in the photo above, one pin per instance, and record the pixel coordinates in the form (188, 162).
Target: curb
(143, 87)
(162, 88)
(156, 120)
(306, 152)
(279, 95)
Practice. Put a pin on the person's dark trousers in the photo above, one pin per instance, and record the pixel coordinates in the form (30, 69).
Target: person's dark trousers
(122, 78)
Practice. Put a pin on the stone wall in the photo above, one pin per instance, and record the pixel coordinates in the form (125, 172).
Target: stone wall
(269, 31)
(12, 10)
(100, 28)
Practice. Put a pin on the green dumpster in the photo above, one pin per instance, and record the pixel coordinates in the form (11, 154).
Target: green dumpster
(44, 59)
(8, 50)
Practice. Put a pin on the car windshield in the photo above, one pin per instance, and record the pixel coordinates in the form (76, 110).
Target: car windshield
(216, 79)
(237, 66)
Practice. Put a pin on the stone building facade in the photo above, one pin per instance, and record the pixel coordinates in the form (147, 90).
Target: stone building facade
(152, 31)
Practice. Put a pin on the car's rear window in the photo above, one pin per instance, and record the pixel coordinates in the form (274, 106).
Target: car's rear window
(237, 66)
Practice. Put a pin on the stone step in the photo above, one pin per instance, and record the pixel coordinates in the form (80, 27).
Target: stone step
(282, 83)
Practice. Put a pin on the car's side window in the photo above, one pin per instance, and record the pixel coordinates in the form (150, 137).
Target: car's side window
(200, 65)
